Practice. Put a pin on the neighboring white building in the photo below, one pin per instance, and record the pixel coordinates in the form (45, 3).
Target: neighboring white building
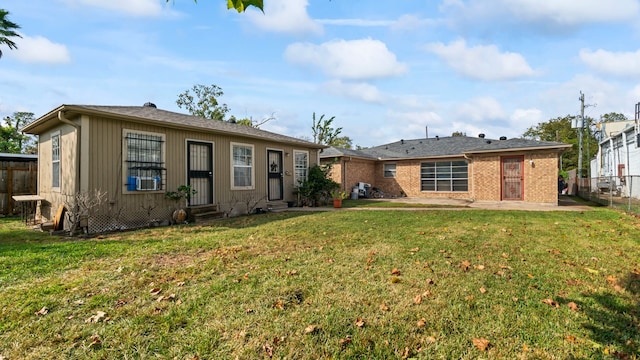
(617, 162)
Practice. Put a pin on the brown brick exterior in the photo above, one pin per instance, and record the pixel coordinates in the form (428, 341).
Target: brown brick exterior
(540, 171)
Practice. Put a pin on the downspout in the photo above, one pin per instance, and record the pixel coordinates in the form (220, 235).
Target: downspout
(78, 148)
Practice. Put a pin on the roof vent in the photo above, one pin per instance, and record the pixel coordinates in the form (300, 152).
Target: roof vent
(407, 151)
(437, 137)
(481, 136)
(488, 141)
(503, 138)
(402, 141)
(150, 104)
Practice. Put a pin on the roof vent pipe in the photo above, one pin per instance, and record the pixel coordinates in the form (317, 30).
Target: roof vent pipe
(481, 136)
(488, 141)
(437, 137)
(402, 141)
(150, 104)
(503, 138)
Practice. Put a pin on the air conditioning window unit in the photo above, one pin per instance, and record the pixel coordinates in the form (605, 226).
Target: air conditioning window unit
(146, 183)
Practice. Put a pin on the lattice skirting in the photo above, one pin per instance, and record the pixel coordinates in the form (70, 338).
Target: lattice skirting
(137, 219)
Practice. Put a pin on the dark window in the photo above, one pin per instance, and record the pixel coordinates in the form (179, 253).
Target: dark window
(144, 162)
(444, 176)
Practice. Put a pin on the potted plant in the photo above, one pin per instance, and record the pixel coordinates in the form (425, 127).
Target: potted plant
(181, 196)
(338, 196)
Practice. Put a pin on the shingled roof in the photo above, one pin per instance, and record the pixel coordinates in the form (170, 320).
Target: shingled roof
(154, 116)
(443, 147)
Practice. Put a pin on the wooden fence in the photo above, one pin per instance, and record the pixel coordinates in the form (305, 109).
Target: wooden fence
(18, 176)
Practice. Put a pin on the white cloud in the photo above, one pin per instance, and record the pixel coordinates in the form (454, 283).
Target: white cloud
(482, 62)
(412, 22)
(142, 8)
(526, 117)
(562, 13)
(285, 16)
(38, 49)
(348, 59)
(615, 63)
(406, 125)
(479, 109)
(360, 91)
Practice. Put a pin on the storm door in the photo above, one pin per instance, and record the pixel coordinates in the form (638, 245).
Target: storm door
(512, 178)
(274, 175)
(200, 172)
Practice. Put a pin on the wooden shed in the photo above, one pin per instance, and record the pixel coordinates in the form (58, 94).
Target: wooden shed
(18, 175)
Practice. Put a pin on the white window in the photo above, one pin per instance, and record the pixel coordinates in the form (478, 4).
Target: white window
(389, 170)
(242, 174)
(300, 166)
(144, 163)
(55, 160)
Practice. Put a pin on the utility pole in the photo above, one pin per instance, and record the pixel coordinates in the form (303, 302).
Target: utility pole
(580, 128)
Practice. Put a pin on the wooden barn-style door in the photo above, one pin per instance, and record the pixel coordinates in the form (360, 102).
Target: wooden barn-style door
(512, 178)
(200, 172)
(274, 174)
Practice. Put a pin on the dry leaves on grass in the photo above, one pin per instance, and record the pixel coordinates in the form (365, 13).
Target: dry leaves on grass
(483, 290)
(99, 316)
(551, 302)
(95, 341)
(396, 272)
(155, 291)
(360, 322)
(345, 341)
(465, 265)
(481, 343)
(573, 306)
(43, 311)
(384, 307)
(311, 329)
(421, 323)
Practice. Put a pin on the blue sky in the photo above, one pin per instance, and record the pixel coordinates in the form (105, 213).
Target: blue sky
(386, 69)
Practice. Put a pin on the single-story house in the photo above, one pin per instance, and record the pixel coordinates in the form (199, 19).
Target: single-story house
(118, 163)
(461, 167)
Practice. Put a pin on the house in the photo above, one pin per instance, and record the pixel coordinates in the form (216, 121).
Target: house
(118, 162)
(617, 162)
(460, 167)
(18, 173)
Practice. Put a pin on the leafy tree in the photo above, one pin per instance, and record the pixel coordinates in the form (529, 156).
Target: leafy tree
(11, 140)
(242, 5)
(612, 116)
(250, 122)
(7, 31)
(323, 132)
(559, 130)
(202, 101)
(343, 142)
(316, 189)
(458, 133)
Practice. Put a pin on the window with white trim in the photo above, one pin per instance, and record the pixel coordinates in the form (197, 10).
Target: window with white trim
(389, 170)
(444, 176)
(242, 173)
(300, 166)
(55, 160)
(144, 163)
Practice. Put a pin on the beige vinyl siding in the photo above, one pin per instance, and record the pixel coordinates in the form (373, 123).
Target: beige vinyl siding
(106, 158)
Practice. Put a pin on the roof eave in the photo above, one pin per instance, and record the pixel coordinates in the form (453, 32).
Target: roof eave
(558, 148)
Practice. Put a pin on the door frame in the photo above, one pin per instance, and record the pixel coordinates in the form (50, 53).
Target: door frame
(269, 174)
(502, 177)
(211, 146)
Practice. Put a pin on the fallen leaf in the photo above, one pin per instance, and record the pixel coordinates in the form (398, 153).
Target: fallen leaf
(42, 311)
(618, 288)
(384, 307)
(430, 281)
(311, 329)
(246, 276)
(417, 300)
(430, 339)
(514, 299)
(416, 249)
(395, 271)
(180, 283)
(406, 353)
(292, 272)
(465, 265)
(481, 343)
(421, 323)
(155, 291)
(530, 276)
(573, 306)
(505, 255)
(551, 302)
(612, 279)
(268, 349)
(345, 341)
(479, 267)
(554, 251)
(95, 341)
(100, 315)
(248, 311)
(483, 290)
(570, 338)
(359, 322)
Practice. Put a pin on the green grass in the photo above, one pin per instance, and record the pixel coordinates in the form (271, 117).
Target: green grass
(368, 203)
(302, 285)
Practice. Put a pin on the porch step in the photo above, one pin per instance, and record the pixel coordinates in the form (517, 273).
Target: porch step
(202, 213)
(276, 206)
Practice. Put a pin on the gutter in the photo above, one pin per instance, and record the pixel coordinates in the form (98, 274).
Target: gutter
(77, 127)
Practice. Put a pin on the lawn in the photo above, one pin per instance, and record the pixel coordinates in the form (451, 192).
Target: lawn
(426, 284)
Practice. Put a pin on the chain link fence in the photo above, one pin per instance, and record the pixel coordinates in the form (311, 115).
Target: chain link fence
(622, 192)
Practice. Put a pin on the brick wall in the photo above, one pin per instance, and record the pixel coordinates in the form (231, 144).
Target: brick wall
(348, 172)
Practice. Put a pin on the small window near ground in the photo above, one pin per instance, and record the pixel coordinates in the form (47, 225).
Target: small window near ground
(389, 170)
(242, 166)
(55, 160)
(300, 167)
(145, 161)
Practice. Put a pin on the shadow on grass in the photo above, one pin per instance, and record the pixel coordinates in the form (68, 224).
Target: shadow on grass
(615, 323)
